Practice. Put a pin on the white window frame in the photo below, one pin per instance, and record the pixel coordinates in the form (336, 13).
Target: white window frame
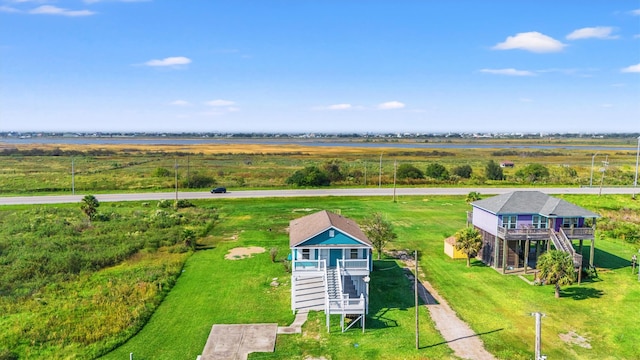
(510, 221)
(351, 252)
(568, 222)
(305, 254)
(539, 222)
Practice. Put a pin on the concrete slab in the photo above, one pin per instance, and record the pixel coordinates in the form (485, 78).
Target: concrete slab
(235, 342)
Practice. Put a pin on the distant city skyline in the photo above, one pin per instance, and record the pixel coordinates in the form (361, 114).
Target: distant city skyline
(320, 66)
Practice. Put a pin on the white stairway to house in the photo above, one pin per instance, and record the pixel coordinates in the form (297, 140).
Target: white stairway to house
(309, 293)
(332, 284)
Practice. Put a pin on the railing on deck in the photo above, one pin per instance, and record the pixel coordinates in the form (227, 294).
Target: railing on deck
(523, 233)
(309, 265)
(578, 232)
(354, 264)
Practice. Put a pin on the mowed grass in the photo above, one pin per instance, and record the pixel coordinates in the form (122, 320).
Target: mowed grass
(214, 290)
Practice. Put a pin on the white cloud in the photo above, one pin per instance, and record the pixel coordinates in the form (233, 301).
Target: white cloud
(606, 105)
(631, 69)
(170, 61)
(598, 32)
(531, 41)
(54, 10)
(635, 12)
(180, 103)
(526, 100)
(339, 107)
(390, 105)
(220, 102)
(8, 9)
(636, 36)
(510, 72)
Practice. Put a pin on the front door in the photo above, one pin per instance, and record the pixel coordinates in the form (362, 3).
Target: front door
(335, 255)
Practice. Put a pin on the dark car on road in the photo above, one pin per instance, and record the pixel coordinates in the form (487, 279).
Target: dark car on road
(219, 190)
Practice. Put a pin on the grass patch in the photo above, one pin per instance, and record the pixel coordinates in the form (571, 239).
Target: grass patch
(214, 290)
(601, 311)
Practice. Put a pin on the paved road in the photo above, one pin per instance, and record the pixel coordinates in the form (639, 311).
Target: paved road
(58, 199)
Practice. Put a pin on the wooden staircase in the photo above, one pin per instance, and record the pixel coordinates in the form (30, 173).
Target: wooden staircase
(562, 243)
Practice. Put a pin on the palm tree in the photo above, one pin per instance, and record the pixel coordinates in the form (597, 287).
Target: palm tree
(189, 238)
(472, 196)
(469, 241)
(556, 267)
(90, 206)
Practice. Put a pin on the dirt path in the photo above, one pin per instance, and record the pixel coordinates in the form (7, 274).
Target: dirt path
(465, 343)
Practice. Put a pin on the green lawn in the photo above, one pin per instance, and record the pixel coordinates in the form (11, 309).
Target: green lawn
(214, 290)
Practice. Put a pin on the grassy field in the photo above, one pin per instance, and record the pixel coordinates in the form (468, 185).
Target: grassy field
(105, 168)
(70, 288)
(498, 307)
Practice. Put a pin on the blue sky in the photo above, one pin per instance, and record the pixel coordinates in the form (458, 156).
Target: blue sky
(320, 66)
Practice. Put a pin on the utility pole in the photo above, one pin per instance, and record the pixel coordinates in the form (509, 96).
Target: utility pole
(175, 167)
(538, 346)
(605, 163)
(380, 176)
(73, 177)
(415, 282)
(365, 173)
(395, 167)
(635, 180)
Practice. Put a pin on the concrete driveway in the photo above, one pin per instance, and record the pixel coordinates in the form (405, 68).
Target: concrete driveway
(235, 342)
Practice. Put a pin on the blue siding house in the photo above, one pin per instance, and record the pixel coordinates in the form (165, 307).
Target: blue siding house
(330, 265)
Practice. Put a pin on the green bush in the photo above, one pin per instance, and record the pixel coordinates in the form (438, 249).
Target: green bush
(463, 171)
(493, 171)
(184, 203)
(198, 181)
(162, 172)
(309, 176)
(532, 173)
(437, 171)
(408, 171)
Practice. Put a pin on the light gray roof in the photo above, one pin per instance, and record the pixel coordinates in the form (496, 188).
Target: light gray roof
(306, 227)
(532, 202)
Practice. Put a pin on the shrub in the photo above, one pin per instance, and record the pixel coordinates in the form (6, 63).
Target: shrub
(532, 172)
(437, 171)
(309, 176)
(198, 181)
(333, 171)
(184, 203)
(408, 171)
(162, 172)
(493, 171)
(464, 171)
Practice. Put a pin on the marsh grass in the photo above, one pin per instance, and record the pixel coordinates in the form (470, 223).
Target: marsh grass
(141, 168)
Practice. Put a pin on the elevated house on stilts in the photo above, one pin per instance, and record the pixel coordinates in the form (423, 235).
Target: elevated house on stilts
(519, 226)
(330, 266)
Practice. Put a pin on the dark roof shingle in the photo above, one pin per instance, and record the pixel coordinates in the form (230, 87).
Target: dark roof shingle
(532, 202)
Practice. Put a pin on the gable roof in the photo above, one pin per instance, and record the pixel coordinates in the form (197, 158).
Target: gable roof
(306, 227)
(532, 202)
